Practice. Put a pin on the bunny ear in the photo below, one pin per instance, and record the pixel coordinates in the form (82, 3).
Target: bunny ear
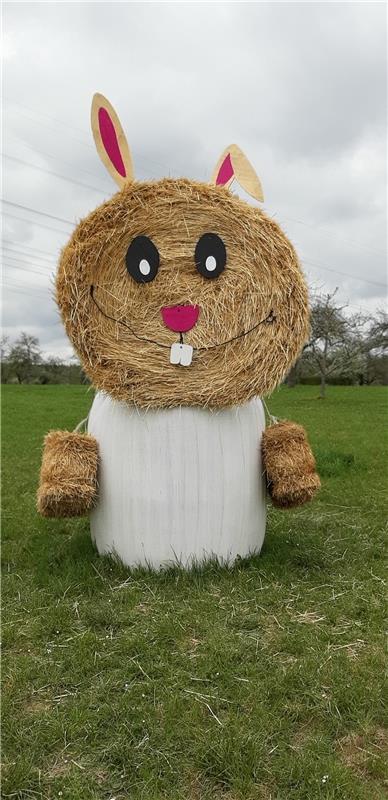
(234, 165)
(110, 141)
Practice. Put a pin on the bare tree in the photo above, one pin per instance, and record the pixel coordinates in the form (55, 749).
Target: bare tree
(336, 343)
(376, 348)
(23, 356)
(377, 338)
(4, 346)
(4, 354)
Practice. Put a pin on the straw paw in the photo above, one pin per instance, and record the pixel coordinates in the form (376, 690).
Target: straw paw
(289, 464)
(68, 477)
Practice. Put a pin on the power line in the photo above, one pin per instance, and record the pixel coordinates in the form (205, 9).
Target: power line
(19, 288)
(36, 211)
(14, 251)
(62, 124)
(28, 265)
(346, 274)
(29, 247)
(34, 222)
(350, 242)
(45, 267)
(61, 160)
(29, 260)
(22, 284)
(56, 174)
(315, 293)
(15, 290)
(59, 124)
(30, 271)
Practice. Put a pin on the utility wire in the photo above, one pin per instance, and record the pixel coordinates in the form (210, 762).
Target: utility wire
(36, 263)
(59, 122)
(339, 272)
(27, 287)
(315, 293)
(36, 211)
(30, 271)
(47, 269)
(44, 267)
(350, 242)
(29, 247)
(62, 124)
(19, 288)
(59, 159)
(17, 291)
(14, 252)
(56, 174)
(34, 222)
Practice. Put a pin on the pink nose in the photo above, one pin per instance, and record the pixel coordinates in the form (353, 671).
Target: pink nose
(180, 318)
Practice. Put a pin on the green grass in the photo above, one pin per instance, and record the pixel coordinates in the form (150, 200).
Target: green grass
(263, 682)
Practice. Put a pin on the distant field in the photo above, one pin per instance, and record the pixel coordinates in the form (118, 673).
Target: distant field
(263, 682)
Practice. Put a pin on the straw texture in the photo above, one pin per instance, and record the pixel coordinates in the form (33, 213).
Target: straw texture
(289, 464)
(128, 357)
(68, 477)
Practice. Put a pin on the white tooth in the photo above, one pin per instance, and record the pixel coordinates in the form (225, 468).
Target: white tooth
(181, 354)
(186, 355)
(175, 353)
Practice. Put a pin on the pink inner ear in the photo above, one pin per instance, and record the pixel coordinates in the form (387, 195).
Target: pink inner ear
(226, 171)
(109, 140)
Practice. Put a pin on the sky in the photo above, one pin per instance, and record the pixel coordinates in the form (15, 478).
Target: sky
(300, 87)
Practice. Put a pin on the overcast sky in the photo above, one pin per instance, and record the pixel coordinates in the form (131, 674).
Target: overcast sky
(300, 87)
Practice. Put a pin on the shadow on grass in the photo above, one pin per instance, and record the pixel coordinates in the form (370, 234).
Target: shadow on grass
(332, 463)
(291, 551)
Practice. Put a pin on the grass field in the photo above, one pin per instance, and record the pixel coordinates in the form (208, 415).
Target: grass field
(263, 682)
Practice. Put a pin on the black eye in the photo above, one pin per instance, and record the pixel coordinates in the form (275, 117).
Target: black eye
(210, 255)
(142, 259)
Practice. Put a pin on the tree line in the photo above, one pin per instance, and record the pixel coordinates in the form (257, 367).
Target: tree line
(342, 348)
(23, 362)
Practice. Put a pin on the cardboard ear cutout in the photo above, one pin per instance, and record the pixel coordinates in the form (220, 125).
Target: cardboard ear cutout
(111, 144)
(234, 165)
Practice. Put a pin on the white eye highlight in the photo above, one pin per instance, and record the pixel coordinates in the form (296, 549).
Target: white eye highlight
(144, 267)
(211, 264)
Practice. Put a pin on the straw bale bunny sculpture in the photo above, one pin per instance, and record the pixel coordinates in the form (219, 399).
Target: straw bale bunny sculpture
(185, 305)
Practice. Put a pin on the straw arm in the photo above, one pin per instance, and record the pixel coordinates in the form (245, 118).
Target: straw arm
(289, 465)
(68, 478)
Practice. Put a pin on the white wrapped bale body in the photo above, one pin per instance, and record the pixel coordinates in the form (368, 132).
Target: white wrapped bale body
(178, 485)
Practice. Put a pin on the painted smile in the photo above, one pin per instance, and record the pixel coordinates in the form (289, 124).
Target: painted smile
(269, 319)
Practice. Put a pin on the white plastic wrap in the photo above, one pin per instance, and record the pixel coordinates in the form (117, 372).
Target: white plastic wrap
(178, 485)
